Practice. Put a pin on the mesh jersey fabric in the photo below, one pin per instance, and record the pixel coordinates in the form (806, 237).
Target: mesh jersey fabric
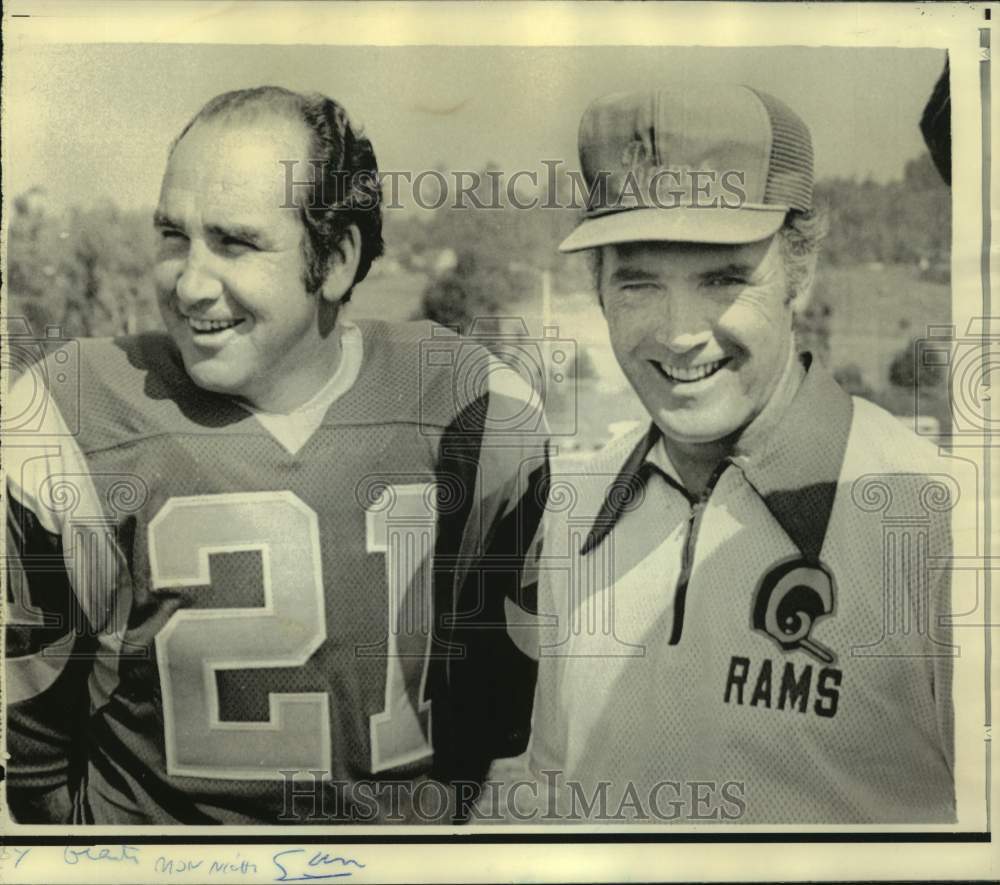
(852, 725)
(272, 629)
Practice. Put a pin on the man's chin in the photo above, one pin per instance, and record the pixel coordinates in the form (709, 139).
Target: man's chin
(697, 433)
(211, 378)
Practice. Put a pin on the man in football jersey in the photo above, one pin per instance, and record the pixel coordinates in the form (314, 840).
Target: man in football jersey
(260, 566)
(751, 590)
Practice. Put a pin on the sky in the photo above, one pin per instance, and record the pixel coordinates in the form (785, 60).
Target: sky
(89, 122)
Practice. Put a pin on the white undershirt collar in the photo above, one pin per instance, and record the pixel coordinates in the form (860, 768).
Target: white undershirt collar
(294, 429)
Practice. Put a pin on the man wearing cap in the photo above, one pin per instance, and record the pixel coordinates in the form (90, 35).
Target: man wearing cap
(739, 635)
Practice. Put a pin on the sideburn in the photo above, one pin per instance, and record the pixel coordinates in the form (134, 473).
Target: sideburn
(328, 312)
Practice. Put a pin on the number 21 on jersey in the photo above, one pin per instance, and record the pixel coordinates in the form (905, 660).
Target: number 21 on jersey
(284, 632)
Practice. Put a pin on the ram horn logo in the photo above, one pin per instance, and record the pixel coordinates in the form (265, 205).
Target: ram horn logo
(790, 600)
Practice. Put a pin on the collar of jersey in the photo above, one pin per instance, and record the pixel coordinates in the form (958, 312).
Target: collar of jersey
(292, 430)
(794, 470)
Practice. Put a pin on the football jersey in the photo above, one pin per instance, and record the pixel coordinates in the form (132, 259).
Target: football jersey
(227, 617)
(776, 650)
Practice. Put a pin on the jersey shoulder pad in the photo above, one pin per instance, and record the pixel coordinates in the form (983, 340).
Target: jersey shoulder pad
(424, 373)
(409, 373)
(112, 390)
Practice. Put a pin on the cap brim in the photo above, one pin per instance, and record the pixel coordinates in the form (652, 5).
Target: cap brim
(682, 224)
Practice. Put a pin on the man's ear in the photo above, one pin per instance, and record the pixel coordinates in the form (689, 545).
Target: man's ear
(343, 265)
(595, 264)
(800, 294)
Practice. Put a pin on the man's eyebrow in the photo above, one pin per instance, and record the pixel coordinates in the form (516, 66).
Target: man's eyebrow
(161, 219)
(733, 269)
(243, 232)
(631, 275)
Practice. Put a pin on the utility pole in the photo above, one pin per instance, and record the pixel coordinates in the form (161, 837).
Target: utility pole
(546, 298)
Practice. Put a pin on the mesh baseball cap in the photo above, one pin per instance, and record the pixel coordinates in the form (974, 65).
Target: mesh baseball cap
(703, 164)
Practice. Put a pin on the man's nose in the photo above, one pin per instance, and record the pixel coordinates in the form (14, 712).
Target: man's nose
(685, 324)
(197, 281)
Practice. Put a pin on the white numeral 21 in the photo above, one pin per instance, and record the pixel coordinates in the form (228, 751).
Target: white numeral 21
(197, 643)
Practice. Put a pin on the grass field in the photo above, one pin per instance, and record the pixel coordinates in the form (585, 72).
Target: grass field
(387, 297)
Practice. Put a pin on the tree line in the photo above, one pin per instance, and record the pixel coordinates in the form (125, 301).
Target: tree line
(86, 269)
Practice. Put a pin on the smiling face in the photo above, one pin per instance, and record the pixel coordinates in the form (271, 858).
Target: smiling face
(230, 266)
(703, 332)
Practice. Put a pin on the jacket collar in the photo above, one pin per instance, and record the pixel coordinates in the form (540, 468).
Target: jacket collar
(794, 469)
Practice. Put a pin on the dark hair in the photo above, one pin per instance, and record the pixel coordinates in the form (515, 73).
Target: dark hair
(349, 191)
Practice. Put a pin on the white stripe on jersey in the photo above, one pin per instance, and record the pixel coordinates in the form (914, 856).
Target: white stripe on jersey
(295, 429)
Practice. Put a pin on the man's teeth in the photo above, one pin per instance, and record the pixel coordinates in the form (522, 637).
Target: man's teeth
(211, 325)
(693, 373)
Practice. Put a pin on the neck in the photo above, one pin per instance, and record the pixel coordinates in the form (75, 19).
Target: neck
(696, 463)
(312, 372)
(753, 436)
